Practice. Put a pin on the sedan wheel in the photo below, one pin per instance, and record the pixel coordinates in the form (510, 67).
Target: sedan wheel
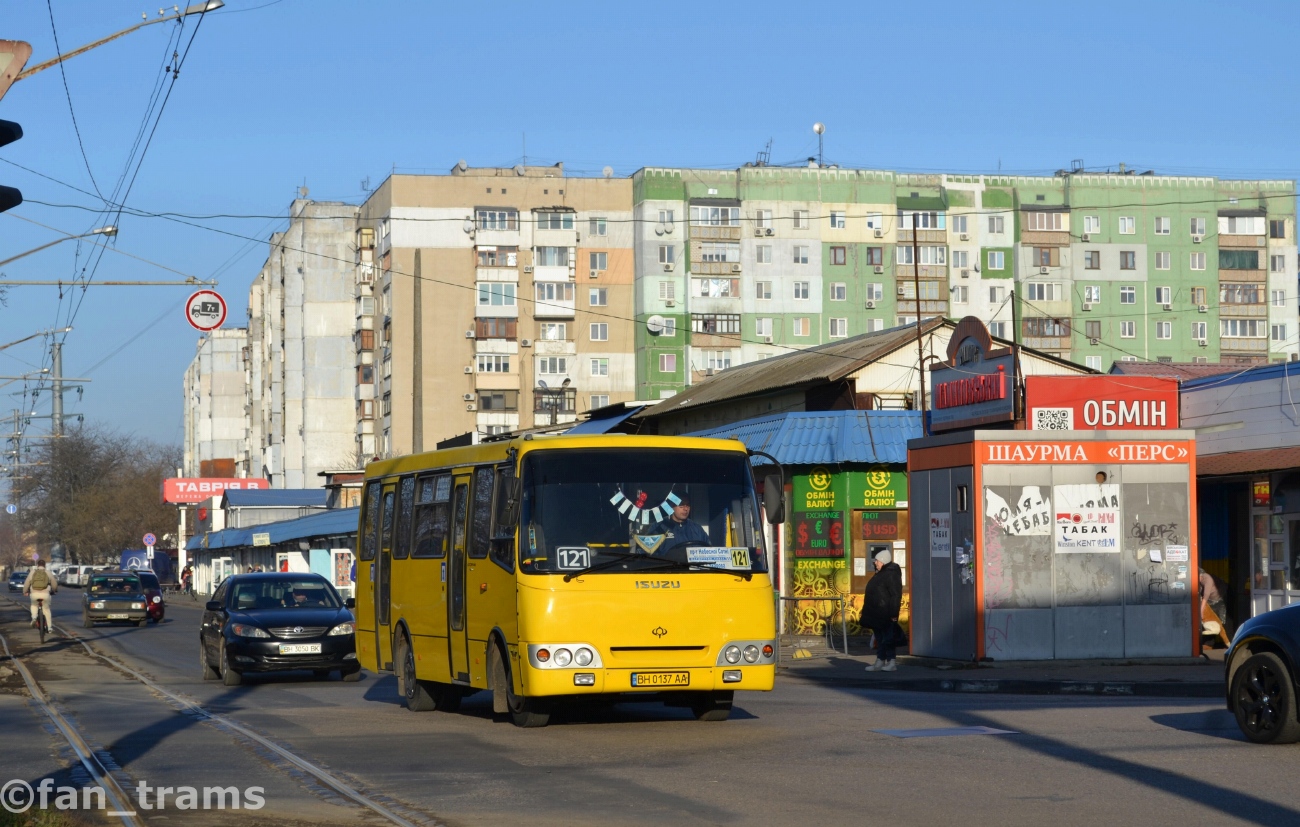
(86, 622)
(229, 676)
(209, 674)
(1263, 700)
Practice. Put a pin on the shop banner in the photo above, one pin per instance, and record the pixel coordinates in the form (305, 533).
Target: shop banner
(1065, 403)
(816, 490)
(1027, 515)
(1087, 518)
(819, 534)
(877, 488)
(940, 534)
(879, 525)
(1056, 453)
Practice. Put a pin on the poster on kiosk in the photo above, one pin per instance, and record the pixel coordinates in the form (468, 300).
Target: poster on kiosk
(1067, 536)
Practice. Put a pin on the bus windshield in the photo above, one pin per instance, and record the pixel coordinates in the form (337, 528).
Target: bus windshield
(612, 511)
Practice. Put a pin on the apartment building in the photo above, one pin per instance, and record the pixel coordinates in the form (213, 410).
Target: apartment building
(487, 300)
(215, 422)
(739, 265)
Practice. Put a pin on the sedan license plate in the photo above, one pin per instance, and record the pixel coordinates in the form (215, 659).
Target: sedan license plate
(661, 678)
(118, 616)
(300, 648)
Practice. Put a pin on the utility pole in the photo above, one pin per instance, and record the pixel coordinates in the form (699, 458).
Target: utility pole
(56, 379)
(916, 287)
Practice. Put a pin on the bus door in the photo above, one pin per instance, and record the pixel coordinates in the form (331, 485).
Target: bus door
(383, 582)
(457, 637)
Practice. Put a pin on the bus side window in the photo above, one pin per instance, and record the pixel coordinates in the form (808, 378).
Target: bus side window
(484, 479)
(369, 540)
(402, 540)
(503, 536)
(432, 516)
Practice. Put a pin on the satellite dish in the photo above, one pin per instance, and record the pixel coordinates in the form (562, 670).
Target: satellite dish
(468, 225)
(541, 383)
(819, 127)
(655, 324)
(461, 165)
(659, 228)
(519, 169)
(608, 172)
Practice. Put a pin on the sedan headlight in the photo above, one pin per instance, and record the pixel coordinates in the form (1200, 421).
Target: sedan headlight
(137, 605)
(157, 599)
(97, 604)
(343, 629)
(245, 630)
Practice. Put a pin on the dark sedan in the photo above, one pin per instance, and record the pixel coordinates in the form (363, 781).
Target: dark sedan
(1261, 676)
(276, 621)
(16, 581)
(114, 595)
(154, 603)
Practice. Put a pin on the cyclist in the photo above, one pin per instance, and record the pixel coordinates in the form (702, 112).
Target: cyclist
(40, 586)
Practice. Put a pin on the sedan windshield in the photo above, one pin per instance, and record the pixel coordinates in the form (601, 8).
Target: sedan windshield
(115, 584)
(619, 510)
(283, 593)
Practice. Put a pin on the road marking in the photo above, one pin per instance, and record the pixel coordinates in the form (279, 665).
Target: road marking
(942, 732)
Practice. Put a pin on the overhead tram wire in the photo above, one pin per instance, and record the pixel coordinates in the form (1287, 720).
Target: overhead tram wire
(49, 4)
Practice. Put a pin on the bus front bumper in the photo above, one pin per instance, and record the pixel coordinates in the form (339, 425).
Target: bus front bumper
(656, 679)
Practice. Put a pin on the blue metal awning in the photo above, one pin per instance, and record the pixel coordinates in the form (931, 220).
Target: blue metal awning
(826, 437)
(605, 420)
(339, 521)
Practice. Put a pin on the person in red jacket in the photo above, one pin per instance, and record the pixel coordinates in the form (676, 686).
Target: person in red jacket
(881, 605)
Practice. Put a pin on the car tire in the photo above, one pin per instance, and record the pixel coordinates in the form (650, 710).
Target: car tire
(141, 622)
(86, 622)
(712, 706)
(229, 676)
(353, 676)
(415, 692)
(209, 674)
(1264, 700)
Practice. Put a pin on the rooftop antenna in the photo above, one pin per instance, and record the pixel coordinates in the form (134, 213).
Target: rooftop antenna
(608, 172)
(820, 129)
(764, 155)
(1076, 165)
(365, 184)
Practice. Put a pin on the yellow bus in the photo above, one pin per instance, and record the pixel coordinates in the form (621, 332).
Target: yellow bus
(561, 568)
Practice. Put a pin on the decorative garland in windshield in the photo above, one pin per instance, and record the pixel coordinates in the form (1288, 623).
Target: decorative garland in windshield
(634, 507)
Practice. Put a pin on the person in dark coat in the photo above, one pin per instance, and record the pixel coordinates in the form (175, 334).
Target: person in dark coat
(881, 605)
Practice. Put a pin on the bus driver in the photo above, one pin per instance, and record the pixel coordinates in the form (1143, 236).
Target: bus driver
(678, 529)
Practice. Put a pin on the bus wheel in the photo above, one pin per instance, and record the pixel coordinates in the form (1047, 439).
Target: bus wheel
(524, 712)
(414, 691)
(712, 706)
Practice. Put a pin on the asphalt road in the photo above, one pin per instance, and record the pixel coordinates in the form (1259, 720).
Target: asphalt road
(804, 754)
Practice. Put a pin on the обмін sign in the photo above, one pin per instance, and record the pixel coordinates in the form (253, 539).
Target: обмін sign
(1101, 403)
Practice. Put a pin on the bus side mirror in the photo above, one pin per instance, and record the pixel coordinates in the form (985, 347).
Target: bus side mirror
(509, 518)
(774, 499)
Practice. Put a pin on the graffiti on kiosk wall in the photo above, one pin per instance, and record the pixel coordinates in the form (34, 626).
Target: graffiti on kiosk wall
(1028, 514)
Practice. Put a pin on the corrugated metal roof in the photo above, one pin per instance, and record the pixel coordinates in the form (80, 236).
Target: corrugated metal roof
(827, 437)
(274, 497)
(339, 521)
(824, 363)
(1182, 371)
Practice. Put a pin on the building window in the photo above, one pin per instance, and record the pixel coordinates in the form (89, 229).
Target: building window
(875, 256)
(1238, 259)
(365, 374)
(875, 292)
(1162, 260)
(924, 220)
(1278, 333)
(1043, 291)
(839, 255)
(365, 340)
(715, 323)
(1164, 330)
(1198, 330)
(552, 331)
(997, 224)
(997, 260)
(1092, 260)
(498, 219)
(668, 363)
(552, 365)
(839, 291)
(930, 255)
(498, 256)
(598, 296)
(839, 328)
(666, 216)
(995, 294)
(596, 226)
(599, 400)
(800, 254)
(600, 367)
(1128, 294)
(1128, 330)
(719, 253)
(1044, 221)
(555, 221)
(386, 405)
(1127, 260)
(763, 219)
(599, 261)
(837, 219)
(1093, 362)
(1277, 264)
(1277, 298)
(875, 221)
(763, 290)
(494, 328)
(1240, 294)
(599, 332)
(762, 327)
(366, 306)
(667, 254)
(493, 363)
(555, 400)
(1092, 224)
(801, 290)
(1047, 327)
(1092, 329)
(496, 294)
(366, 409)
(1198, 296)
(1277, 228)
(553, 291)
(667, 290)
(711, 360)
(1092, 294)
(1164, 295)
(1196, 261)
(551, 257)
(669, 328)
(1241, 328)
(763, 254)
(960, 259)
(801, 219)
(800, 326)
(959, 223)
(1047, 256)
(875, 325)
(1163, 224)
(960, 294)
(498, 400)
(715, 288)
(1197, 226)
(1127, 225)
(998, 329)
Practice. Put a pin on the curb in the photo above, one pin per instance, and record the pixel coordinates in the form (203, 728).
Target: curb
(1156, 689)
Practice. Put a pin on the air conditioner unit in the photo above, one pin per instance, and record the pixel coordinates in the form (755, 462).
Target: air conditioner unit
(767, 231)
(595, 274)
(525, 342)
(528, 268)
(879, 233)
(670, 302)
(1200, 308)
(1085, 238)
(1202, 343)
(469, 368)
(1087, 307)
(758, 231)
(469, 397)
(871, 305)
(708, 372)
(471, 407)
(735, 268)
(1044, 270)
(668, 268)
(900, 290)
(469, 334)
(1168, 307)
(964, 237)
(879, 268)
(767, 340)
(965, 274)
(1197, 239)
(1094, 341)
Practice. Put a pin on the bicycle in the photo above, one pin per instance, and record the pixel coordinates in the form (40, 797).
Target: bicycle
(40, 618)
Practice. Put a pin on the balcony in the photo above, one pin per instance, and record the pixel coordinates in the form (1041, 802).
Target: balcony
(923, 236)
(1053, 343)
(928, 271)
(1044, 238)
(1241, 240)
(1243, 311)
(1258, 276)
(929, 307)
(715, 268)
(554, 347)
(553, 309)
(1236, 345)
(555, 401)
(706, 232)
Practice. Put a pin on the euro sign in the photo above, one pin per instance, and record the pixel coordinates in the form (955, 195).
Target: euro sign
(835, 534)
(803, 534)
(818, 528)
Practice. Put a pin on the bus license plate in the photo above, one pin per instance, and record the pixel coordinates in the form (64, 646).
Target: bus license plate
(661, 678)
(300, 648)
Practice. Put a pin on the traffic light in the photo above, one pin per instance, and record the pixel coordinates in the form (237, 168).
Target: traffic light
(9, 196)
(13, 57)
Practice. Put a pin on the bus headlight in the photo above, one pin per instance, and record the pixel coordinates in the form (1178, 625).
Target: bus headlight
(732, 653)
(563, 657)
(748, 653)
(583, 657)
(751, 653)
(566, 655)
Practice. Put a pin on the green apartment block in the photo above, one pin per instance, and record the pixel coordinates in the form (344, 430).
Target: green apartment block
(740, 265)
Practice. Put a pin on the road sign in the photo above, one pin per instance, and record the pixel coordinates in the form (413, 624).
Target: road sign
(150, 540)
(11, 508)
(205, 310)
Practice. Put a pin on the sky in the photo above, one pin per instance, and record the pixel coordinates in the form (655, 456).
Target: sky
(332, 94)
